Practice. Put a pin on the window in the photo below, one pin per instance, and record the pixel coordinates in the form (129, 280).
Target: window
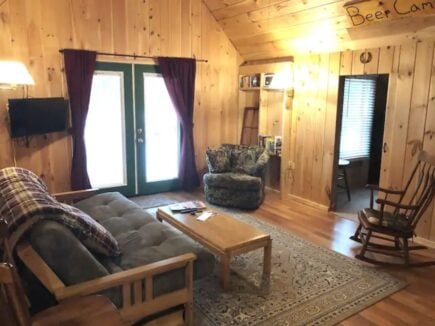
(357, 117)
(105, 131)
(161, 131)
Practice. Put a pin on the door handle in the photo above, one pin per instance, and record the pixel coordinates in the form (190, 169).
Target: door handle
(139, 132)
(385, 148)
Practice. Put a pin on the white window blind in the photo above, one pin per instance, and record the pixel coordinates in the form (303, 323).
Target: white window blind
(357, 119)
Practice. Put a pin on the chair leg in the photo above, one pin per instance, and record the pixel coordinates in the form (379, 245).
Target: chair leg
(346, 184)
(356, 236)
(366, 239)
(406, 251)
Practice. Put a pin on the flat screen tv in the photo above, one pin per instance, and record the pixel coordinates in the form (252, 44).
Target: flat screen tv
(36, 116)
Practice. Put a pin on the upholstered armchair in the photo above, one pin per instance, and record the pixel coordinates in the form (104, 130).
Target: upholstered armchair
(236, 176)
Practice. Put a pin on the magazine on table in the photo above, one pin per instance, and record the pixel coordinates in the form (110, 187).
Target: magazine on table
(188, 205)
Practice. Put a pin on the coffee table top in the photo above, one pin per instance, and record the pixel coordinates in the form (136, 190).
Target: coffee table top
(219, 232)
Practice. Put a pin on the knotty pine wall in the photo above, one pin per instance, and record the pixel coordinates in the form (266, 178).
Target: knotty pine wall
(34, 31)
(409, 126)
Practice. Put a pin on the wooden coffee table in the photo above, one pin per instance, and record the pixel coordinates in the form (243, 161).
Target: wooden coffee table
(222, 235)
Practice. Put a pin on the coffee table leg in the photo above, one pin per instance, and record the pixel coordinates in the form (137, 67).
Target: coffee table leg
(225, 271)
(267, 259)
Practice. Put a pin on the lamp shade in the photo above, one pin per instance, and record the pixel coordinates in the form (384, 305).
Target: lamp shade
(14, 73)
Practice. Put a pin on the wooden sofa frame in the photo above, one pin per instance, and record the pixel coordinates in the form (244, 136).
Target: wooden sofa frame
(136, 284)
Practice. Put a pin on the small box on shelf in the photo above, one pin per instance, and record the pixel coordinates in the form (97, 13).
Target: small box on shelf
(248, 82)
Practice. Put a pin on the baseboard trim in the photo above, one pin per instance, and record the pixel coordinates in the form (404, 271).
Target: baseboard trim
(307, 202)
(425, 242)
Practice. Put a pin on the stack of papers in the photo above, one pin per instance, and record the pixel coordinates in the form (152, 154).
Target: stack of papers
(193, 205)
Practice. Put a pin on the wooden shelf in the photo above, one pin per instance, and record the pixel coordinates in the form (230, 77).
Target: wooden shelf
(250, 88)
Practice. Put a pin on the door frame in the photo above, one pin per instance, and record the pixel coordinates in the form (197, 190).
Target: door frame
(338, 124)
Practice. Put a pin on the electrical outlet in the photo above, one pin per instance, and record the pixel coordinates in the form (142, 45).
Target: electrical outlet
(291, 165)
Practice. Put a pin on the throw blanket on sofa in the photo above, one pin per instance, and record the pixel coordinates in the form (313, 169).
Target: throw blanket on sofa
(25, 200)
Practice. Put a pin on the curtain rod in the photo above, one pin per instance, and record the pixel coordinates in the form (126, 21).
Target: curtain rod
(134, 55)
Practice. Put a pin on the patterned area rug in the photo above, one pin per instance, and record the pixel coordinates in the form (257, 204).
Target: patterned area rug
(310, 285)
(150, 201)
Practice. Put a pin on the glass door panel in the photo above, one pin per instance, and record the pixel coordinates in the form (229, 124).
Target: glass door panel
(158, 133)
(161, 131)
(108, 131)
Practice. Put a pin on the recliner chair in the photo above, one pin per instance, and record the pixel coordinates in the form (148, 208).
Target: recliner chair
(236, 176)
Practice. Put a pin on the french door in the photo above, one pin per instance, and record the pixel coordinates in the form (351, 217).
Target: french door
(132, 133)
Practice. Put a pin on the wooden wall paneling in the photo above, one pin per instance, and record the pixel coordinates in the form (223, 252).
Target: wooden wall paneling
(166, 14)
(401, 102)
(372, 66)
(389, 119)
(306, 181)
(357, 65)
(417, 119)
(263, 112)
(385, 60)
(429, 138)
(174, 28)
(330, 129)
(155, 27)
(298, 126)
(346, 60)
(119, 26)
(196, 47)
(186, 28)
(319, 116)
(85, 23)
(287, 123)
(214, 118)
(137, 13)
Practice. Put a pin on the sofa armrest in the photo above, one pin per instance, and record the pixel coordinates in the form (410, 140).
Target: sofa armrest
(70, 197)
(136, 284)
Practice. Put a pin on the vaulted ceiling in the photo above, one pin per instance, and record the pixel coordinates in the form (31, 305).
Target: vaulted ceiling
(274, 28)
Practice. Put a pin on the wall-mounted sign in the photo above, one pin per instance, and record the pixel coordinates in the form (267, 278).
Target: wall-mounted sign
(366, 12)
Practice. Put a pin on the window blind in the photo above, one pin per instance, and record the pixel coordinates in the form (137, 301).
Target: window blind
(357, 118)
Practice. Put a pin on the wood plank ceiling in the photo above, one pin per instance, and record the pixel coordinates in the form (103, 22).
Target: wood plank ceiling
(275, 28)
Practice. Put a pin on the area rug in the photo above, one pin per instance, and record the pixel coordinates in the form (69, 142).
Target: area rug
(150, 201)
(310, 285)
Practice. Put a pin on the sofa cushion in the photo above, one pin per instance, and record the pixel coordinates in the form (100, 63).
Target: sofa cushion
(143, 240)
(237, 181)
(218, 160)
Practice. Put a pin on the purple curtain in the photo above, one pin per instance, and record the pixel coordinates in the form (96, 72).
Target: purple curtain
(79, 69)
(179, 76)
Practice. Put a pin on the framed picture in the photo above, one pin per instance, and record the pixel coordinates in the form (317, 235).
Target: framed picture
(270, 145)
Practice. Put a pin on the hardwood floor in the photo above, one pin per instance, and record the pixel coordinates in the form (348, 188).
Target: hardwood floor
(415, 305)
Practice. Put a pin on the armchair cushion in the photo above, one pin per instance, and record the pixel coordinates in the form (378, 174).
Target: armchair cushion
(396, 222)
(243, 161)
(218, 160)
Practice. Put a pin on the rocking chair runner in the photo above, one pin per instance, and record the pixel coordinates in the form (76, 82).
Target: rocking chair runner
(397, 225)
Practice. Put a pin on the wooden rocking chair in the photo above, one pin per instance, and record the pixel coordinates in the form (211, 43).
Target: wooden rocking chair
(395, 221)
